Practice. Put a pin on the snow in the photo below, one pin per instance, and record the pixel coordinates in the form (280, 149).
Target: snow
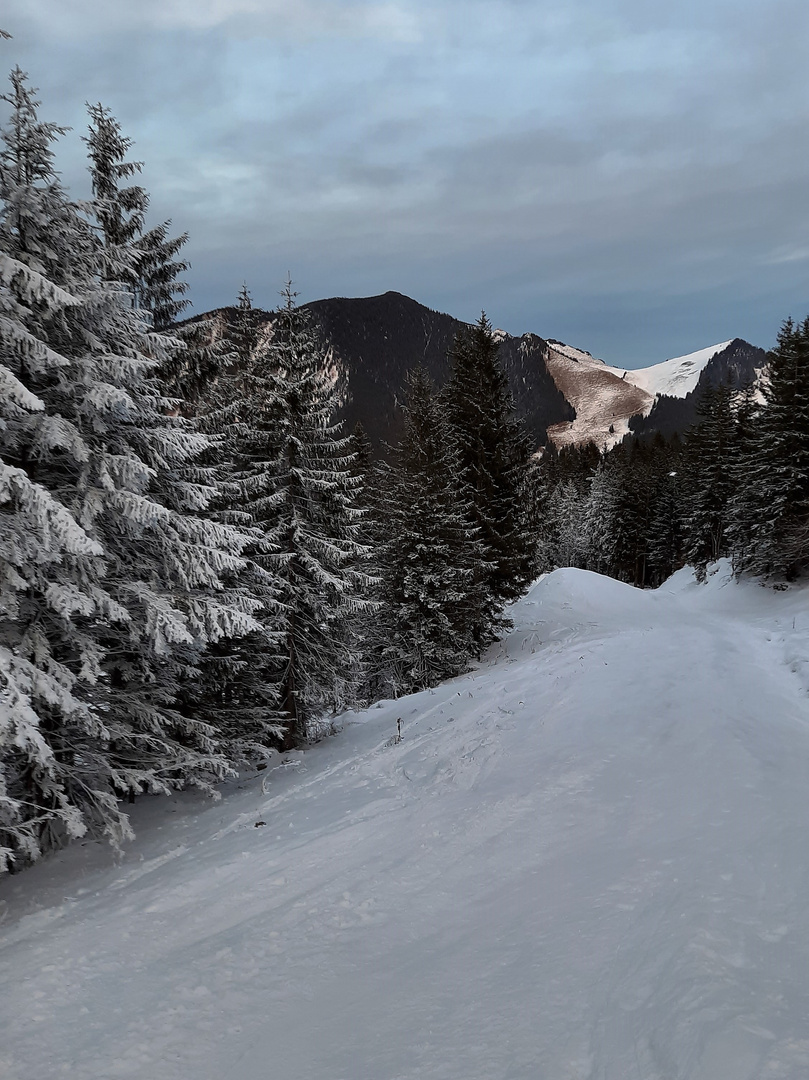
(585, 860)
(676, 377)
(572, 353)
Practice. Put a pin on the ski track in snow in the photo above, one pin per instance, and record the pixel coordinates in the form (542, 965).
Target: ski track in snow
(586, 860)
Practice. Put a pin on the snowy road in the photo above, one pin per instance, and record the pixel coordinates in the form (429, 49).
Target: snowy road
(587, 860)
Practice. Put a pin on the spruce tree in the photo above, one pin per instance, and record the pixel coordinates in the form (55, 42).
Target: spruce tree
(435, 613)
(743, 502)
(494, 451)
(159, 288)
(294, 473)
(710, 482)
(558, 496)
(146, 261)
(665, 538)
(240, 685)
(361, 626)
(776, 478)
(182, 561)
(598, 535)
(124, 625)
(52, 588)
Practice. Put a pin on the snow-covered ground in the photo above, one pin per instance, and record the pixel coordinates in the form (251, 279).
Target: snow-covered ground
(676, 377)
(586, 859)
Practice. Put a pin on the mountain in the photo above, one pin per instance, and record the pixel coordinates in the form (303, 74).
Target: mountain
(737, 361)
(376, 340)
(564, 395)
(610, 402)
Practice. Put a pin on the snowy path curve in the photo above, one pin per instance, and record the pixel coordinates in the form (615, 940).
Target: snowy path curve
(587, 860)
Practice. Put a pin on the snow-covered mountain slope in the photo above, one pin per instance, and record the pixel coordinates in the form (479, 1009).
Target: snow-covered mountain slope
(586, 860)
(676, 377)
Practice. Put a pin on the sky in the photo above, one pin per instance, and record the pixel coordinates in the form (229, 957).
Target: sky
(628, 177)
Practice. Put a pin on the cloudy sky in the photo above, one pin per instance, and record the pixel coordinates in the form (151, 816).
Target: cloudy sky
(631, 177)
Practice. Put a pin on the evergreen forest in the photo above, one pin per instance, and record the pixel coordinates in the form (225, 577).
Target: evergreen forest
(199, 567)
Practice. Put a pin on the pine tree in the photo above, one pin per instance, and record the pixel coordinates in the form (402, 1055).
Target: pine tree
(558, 496)
(494, 452)
(120, 211)
(709, 457)
(294, 474)
(775, 505)
(665, 539)
(145, 261)
(361, 626)
(616, 515)
(179, 599)
(435, 615)
(123, 630)
(744, 499)
(51, 573)
(159, 289)
(598, 537)
(239, 690)
(634, 512)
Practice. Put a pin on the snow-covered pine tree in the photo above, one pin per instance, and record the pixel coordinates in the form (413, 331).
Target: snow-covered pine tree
(233, 695)
(616, 515)
(205, 376)
(189, 373)
(597, 537)
(775, 502)
(125, 634)
(54, 777)
(494, 453)
(293, 471)
(360, 626)
(159, 288)
(559, 488)
(240, 684)
(40, 712)
(120, 211)
(151, 270)
(436, 611)
(665, 530)
(169, 562)
(743, 502)
(634, 514)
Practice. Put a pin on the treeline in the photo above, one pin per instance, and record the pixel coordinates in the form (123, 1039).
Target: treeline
(197, 566)
(736, 485)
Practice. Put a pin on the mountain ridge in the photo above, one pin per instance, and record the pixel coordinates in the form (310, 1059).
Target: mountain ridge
(564, 394)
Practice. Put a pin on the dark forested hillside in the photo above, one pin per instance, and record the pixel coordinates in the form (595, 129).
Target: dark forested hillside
(377, 340)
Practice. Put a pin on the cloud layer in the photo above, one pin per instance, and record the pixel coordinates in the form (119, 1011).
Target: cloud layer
(629, 177)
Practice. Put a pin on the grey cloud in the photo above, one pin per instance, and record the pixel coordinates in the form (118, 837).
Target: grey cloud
(630, 177)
